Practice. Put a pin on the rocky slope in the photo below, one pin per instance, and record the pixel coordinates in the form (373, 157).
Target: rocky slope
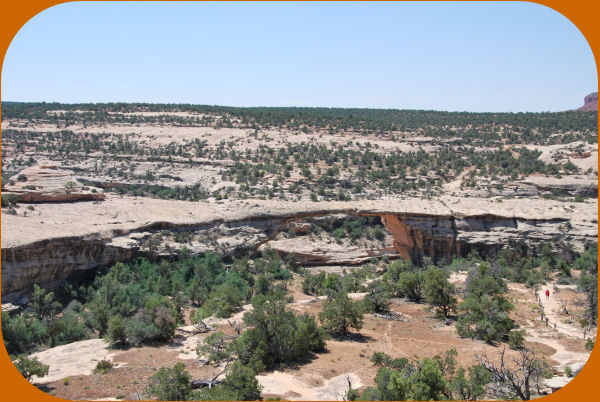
(57, 239)
(49, 184)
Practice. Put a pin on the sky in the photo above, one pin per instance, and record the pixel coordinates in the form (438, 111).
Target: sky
(481, 57)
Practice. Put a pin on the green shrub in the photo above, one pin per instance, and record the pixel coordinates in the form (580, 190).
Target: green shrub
(170, 384)
(31, 366)
(313, 284)
(140, 332)
(73, 328)
(379, 233)
(417, 381)
(341, 314)
(339, 233)
(377, 298)
(516, 339)
(223, 301)
(332, 284)
(439, 292)
(589, 344)
(214, 347)
(103, 367)
(484, 308)
(276, 335)
(42, 303)
(239, 385)
(435, 378)
(117, 331)
(21, 332)
(410, 284)
(8, 200)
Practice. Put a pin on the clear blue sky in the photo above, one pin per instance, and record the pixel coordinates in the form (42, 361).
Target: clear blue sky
(443, 56)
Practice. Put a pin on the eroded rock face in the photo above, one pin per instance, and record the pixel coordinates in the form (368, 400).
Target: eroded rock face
(569, 186)
(419, 236)
(60, 239)
(331, 253)
(50, 262)
(49, 184)
(590, 103)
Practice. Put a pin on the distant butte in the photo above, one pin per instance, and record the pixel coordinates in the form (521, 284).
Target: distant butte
(590, 103)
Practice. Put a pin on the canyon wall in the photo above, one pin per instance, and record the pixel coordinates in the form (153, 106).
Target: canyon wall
(431, 231)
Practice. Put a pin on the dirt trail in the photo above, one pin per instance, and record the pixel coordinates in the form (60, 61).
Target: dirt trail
(563, 356)
(552, 308)
(550, 336)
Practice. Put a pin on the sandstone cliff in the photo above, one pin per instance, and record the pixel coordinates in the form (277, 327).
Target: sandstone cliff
(58, 239)
(590, 103)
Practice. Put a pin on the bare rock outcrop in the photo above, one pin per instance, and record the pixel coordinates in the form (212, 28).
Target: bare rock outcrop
(326, 253)
(590, 103)
(49, 184)
(569, 185)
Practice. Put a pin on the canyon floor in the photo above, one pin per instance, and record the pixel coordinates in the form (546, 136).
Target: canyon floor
(323, 376)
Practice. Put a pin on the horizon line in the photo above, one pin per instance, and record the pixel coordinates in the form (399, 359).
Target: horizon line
(295, 106)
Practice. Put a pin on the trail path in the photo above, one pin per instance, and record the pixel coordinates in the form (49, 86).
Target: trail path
(552, 309)
(552, 337)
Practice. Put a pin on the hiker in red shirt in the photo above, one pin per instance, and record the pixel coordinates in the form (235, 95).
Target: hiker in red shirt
(547, 294)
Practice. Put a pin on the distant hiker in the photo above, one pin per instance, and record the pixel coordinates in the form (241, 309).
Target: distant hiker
(547, 294)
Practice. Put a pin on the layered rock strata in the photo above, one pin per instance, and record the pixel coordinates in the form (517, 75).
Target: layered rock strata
(59, 239)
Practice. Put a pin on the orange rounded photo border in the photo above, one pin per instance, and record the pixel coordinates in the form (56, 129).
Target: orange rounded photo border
(15, 14)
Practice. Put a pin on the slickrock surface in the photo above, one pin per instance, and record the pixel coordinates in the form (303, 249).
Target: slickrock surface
(76, 358)
(49, 184)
